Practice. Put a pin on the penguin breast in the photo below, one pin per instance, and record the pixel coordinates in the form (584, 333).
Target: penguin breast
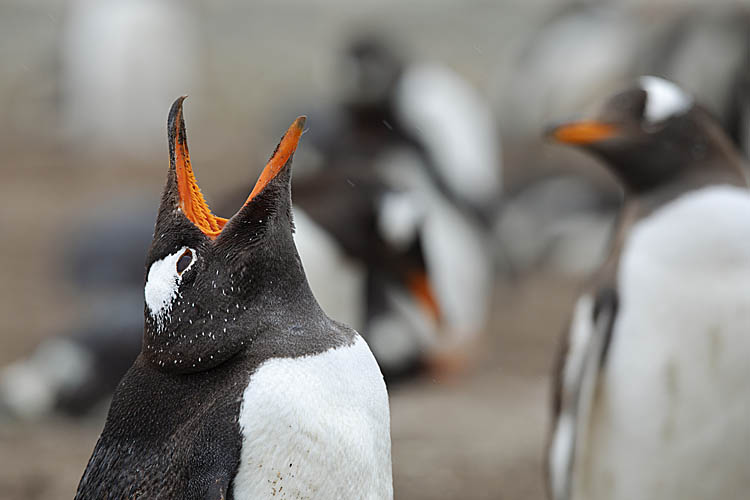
(316, 427)
(674, 395)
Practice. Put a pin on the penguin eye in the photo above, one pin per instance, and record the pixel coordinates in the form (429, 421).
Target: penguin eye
(184, 261)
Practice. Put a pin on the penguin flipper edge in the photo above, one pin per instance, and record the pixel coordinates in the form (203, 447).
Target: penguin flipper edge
(218, 489)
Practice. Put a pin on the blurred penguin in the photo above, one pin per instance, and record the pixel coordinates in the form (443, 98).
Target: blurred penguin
(427, 140)
(650, 389)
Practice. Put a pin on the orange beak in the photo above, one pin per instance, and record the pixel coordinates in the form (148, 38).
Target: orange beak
(280, 156)
(583, 132)
(192, 203)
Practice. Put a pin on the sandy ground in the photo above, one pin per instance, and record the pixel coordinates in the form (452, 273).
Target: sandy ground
(479, 435)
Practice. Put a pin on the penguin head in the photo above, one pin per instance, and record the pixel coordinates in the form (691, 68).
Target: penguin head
(646, 134)
(209, 280)
(369, 71)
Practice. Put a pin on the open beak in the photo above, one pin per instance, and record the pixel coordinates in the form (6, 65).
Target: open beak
(582, 132)
(191, 201)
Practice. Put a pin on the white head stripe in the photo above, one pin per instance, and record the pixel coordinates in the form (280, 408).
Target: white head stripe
(664, 99)
(162, 285)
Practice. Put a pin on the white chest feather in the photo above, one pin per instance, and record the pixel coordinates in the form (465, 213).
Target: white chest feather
(316, 427)
(671, 420)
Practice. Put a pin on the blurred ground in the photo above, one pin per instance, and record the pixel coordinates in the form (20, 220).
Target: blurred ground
(480, 436)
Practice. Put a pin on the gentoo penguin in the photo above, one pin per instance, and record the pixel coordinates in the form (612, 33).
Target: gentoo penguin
(651, 394)
(244, 388)
(391, 103)
(361, 276)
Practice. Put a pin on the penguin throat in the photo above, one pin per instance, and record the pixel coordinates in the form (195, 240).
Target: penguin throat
(185, 343)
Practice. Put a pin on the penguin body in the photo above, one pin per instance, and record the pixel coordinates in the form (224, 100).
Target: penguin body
(416, 156)
(649, 387)
(339, 218)
(331, 393)
(244, 388)
(431, 140)
(673, 398)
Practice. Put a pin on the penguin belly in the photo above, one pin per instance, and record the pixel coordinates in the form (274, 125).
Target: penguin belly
(316, 427)
(670, 419)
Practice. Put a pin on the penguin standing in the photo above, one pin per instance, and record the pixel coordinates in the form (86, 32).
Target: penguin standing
(651, 394)
(243, 388)
(416, 154)
(359, 275)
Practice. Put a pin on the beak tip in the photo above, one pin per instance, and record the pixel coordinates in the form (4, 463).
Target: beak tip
(550, 133)
(177, 104)
(299, 123)
(175, 113)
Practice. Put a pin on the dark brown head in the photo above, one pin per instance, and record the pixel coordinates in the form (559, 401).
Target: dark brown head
(211, 281)
(652, 133)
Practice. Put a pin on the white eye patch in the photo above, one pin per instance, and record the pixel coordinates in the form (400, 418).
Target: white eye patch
(163, 283)
(664, 99)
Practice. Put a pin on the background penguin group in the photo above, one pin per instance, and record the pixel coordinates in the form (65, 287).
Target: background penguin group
(423, 146)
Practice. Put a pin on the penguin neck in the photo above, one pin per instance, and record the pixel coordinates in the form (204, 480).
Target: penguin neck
(267, 294)
(716, 171)
(277, 288)
(643, 176)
